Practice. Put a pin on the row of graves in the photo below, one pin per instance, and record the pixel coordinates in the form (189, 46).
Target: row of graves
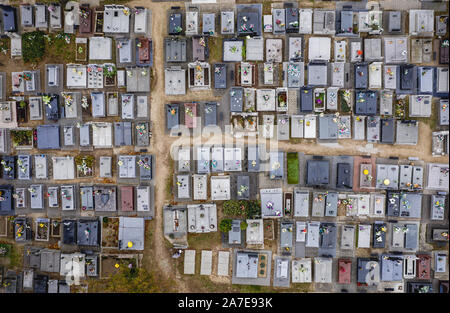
(366, 79)
(92, 207)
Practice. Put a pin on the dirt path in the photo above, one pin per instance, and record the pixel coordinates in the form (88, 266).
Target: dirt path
(160, 144)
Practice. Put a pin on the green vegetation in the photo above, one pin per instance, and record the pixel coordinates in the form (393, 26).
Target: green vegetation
(81, 51)
(5, 250)
(295, 140)
(345, 95)
(430, 121)
(253, 289)
(225, 225)
(320, 100)
(169, 181)
(401, 107)
(61, 46)
(130, 280)
(204, 241)
(15, 256)
(253, 209)
(267, 7)
(233, 208)
(242, 208)
(152, 78)
(292, 168)
(85, 165)
(244, 225)
(33, 46)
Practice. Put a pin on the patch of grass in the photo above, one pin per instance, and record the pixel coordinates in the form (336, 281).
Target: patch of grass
(61, 47)
(215, 49)
(149, 228)
(304, 287)
(201, 283)
(152, 78)
(292, 168)
(16, 257)
(438, 246)
(232, 208)
(33, 46)
(225, 225)
(267, 7)
(62, 2)
(345, 96)
(85, 165)
(430, 121)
